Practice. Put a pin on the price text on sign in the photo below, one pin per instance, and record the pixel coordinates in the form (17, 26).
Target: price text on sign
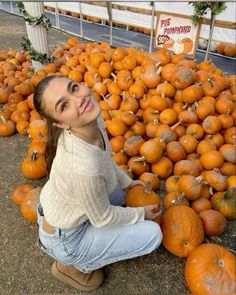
(176, 33)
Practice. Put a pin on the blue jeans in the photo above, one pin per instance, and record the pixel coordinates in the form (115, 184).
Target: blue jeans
(89, 248)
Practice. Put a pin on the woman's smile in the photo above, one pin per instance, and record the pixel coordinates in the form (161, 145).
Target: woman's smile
(88, 106)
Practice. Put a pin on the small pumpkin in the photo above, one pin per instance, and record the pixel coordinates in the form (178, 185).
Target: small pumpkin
(19, 192)
(34, 166)
(226, 203)
(29, 204)
(138, 196)
(214, 222)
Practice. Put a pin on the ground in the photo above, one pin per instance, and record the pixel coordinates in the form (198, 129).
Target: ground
(24, 269)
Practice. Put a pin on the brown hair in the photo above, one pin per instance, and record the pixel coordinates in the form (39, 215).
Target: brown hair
(53, 133)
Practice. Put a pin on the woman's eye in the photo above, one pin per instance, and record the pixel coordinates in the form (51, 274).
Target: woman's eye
(75, 87)
(63, 106)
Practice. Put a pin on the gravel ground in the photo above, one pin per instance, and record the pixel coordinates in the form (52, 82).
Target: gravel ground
(24, 269)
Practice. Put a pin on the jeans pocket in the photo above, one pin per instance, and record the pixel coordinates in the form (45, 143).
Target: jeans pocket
(46, 250)
(72, 238)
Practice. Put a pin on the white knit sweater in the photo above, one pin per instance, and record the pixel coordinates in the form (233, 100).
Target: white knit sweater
(81, 179)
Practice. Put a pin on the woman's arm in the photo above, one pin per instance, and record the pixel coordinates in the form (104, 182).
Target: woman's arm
(93, 200)
(123, 179)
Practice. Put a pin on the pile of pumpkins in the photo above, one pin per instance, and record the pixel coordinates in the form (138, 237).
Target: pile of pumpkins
(170, 121)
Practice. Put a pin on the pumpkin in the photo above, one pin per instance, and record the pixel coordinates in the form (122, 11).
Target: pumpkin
(231, 181)
(190, 186)
(147, 177)
(215, 179)
(151, 151)
(225, 203)
(186, 167)
(228, 151)
(192, 94)
(29, 204)
(7, 127)
(214, 222)
(201, 204)
(211, 160)
(182, 230)
(228, 169)
(204, 146)
(189, 143)
(138, 196)
(138, 167)
(182, 78)
(174, 198)
(120, 158)
(19, 192)
(171, 184)
(195, 130)
(116, 127)
(37, 129)
(163, 168)
(133, 144)
(175, 151)
(211, 269)
(34, 166)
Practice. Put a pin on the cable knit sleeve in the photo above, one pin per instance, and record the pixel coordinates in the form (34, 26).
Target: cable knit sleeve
(123, 179)
(93, 200)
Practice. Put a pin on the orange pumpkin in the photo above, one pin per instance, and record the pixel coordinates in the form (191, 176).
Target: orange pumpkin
(138, 196)
(214, 222)
(174, 198)
(211, 269)
(34, 166)
(182, 230)
(147, 177)
(20, 191)
(29, 203)
(225, 203)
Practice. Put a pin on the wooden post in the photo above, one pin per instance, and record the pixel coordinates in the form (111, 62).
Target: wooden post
(109, 11)
(57, 17)
(152, 25)
(212, 23)
(81, 20)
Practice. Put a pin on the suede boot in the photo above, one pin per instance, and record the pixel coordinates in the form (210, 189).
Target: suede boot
(77, 279)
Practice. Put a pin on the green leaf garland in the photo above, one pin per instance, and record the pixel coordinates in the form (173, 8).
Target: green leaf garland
(33, 20)
(34, 54)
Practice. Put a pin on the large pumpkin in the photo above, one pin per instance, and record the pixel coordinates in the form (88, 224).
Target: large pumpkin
(210, 270)
(182, 230)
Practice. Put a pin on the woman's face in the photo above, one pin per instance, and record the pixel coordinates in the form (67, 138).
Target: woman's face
(70, 103)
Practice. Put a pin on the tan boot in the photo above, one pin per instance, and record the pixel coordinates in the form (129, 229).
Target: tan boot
(77, 279)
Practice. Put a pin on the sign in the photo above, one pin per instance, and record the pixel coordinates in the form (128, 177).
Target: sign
(176, 33)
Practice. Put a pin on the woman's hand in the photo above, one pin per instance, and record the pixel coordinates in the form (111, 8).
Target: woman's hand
(135, 182)
(150, 211)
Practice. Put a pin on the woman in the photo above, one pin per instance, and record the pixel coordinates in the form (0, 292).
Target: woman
(82, 223)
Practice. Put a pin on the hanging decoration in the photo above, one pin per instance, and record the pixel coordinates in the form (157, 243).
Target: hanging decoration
(34, 54)
(32, 20)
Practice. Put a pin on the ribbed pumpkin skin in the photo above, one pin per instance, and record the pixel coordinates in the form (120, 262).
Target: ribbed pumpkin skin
(182, 230)
(210, 270)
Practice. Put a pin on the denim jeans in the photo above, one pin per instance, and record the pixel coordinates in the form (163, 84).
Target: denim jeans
(89, 248)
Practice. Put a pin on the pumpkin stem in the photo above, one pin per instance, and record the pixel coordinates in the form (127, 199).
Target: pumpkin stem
(3, 119)
(104, 97)
(199, 179)
(211, 191)
(113, 76)
(141, 159)
(33, 156)
(177, 124)
(148, 188)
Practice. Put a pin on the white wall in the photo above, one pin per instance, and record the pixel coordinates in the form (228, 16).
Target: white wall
(143, 20)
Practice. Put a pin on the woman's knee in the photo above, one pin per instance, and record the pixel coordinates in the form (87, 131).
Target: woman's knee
(154, 235)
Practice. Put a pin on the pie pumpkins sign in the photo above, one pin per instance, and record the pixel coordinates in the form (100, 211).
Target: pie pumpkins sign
(176, 33)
